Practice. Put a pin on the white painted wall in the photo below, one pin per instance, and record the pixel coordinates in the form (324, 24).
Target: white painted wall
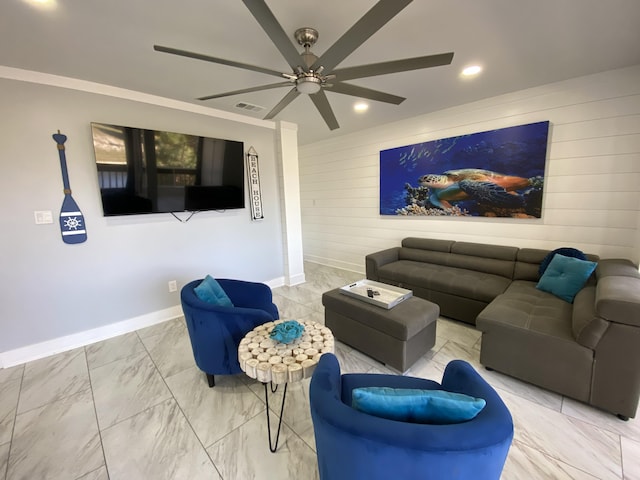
(52, 290)
(591, 195)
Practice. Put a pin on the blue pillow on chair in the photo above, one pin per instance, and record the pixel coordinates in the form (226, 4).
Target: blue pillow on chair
(565, 277)
(210, 291)
(415, 405)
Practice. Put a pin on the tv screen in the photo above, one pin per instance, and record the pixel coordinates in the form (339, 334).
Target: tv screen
(151, 171)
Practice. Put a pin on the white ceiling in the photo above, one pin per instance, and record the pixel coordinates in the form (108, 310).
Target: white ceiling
(520, 44)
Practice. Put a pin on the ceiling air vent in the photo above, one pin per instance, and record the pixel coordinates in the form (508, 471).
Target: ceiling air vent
(249, 106)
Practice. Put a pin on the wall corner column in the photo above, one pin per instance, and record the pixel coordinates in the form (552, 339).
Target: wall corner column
(287, 153)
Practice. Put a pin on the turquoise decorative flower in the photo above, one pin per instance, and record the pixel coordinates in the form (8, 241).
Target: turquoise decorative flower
(286, 332)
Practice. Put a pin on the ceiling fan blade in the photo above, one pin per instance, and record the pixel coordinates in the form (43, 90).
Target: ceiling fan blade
(322, 104)
(348, 89)
(288, 98)
(246, 90)
(207, 58)
(394, 66)
(274, 30)
(369, 24)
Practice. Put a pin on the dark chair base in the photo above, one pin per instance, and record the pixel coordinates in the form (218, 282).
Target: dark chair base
(211, 380)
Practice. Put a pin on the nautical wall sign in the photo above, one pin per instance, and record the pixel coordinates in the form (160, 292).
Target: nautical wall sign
(72, 223)
(253, 176)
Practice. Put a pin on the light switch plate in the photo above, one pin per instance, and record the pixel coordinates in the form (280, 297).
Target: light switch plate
(43, 217)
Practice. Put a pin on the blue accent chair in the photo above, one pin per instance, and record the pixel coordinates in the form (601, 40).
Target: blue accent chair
(354, 445)
(216, 331)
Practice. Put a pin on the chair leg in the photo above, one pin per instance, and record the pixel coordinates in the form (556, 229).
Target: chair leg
(211, 380)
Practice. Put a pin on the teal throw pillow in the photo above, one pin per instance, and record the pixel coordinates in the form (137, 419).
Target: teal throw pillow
(210, 291)
(415, 405)
(565, 276)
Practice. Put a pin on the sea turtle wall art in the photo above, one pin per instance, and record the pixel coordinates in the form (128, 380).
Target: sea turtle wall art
(498, 173)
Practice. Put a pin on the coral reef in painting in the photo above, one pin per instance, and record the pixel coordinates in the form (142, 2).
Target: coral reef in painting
(491, 174)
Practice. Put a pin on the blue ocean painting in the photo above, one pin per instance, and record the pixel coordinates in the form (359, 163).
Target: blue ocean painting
(498, 173)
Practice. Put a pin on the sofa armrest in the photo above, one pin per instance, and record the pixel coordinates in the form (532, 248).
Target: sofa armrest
(615, 384)
(618, 299)
(376, 260)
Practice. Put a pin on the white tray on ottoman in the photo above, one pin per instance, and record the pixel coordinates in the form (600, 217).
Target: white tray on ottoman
(384, 295)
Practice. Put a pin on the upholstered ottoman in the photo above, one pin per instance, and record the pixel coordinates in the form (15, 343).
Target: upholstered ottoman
(396, 337)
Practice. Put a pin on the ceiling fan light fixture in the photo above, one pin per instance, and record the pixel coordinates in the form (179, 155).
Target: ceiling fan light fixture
(308, 85)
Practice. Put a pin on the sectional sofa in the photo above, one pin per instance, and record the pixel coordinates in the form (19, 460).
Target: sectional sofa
(588, 349)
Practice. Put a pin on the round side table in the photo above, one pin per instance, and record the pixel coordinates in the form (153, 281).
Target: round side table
(270, 361)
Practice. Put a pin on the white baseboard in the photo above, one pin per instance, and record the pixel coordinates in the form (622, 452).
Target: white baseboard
(36, 351)
(281, 281)
(297, 279)
(275, 283)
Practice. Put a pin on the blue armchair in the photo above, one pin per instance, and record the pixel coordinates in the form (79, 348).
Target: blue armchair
(216, 331)
(351, 444)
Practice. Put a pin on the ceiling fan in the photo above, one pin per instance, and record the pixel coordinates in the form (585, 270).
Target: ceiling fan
(312, 75)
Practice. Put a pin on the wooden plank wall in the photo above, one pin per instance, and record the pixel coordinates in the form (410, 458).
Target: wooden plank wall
(591, 198)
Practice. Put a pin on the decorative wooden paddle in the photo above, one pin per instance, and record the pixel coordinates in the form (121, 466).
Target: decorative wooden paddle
(72, 223)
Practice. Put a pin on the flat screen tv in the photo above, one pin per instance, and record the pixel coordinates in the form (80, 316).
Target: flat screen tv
(151, 171)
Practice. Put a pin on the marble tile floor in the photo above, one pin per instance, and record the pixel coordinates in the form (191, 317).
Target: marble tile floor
(136, 407)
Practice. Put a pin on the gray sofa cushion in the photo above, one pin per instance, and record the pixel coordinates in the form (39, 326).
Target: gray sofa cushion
(528, 334)
(455, 281)
(504, 268)
(524, 306)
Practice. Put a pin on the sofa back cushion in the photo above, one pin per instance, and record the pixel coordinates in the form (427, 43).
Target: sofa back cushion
(493, 259)
(498, 252)
(426, 256)
(528, 263)
(428, 244)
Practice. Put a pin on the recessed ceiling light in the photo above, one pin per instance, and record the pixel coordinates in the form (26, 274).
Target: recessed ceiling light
(43, 4)
(361, 107)
(471, 70)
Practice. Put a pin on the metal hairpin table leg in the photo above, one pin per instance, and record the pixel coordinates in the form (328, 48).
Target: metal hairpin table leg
(272, 447)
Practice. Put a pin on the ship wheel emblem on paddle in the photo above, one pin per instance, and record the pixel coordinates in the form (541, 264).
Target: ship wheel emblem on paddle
(72, 223)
